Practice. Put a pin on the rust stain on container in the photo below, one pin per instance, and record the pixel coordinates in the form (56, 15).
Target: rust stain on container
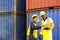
(32, 4)
(15, 19)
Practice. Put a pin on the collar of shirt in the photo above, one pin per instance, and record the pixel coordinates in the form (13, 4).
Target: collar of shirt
(45, 19)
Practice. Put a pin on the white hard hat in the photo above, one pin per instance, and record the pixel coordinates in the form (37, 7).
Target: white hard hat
(34, 15)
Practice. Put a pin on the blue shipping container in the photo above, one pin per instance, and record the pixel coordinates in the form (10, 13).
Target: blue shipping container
(20, 29)
(6, 27)
(55, 15)
(6, 5)
(21, 5)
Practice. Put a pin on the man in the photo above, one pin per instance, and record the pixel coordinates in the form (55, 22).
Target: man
(32, 29)
(46, 26)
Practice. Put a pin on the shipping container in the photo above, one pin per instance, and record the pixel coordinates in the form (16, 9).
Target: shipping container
(21, 5)
(6, 19)
(36, 4)
(21, 27)
(12, 24)
(6, 26)
(21, 20)
(6, 5)
(54, 14)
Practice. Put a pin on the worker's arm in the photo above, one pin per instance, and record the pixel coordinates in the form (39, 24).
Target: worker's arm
(35, 27)
(50, 24)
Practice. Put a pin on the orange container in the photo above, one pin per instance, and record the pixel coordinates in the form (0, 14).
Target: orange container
(33, 4)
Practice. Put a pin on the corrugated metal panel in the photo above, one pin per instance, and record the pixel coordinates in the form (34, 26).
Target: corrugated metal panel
(21, 5)
(58, 24)
(6, 27)
(6, 5)
(21, 25)
(31, 4)
(55, 15)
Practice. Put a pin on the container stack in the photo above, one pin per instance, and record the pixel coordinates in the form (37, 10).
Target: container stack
(12, 20)
(6, 20)
(21, 20)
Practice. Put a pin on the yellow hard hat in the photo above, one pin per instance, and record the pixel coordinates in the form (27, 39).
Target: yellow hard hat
(34, 15)
(42, 13)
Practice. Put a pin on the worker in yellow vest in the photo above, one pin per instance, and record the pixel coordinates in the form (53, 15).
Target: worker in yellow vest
(32, 29)
(47, 26)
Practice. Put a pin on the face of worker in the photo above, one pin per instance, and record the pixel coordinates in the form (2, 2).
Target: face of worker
(43, 16)
(35, 19)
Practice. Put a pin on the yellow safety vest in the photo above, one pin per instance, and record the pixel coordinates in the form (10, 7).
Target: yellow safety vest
(47, 34)
(34, 32)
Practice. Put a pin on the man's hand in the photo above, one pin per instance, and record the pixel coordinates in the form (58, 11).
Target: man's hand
(42, 25)
(27, 38)
(46, 25)
(38, 32)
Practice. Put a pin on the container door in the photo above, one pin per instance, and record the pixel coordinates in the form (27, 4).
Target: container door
(6, 27)
(21, 27)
